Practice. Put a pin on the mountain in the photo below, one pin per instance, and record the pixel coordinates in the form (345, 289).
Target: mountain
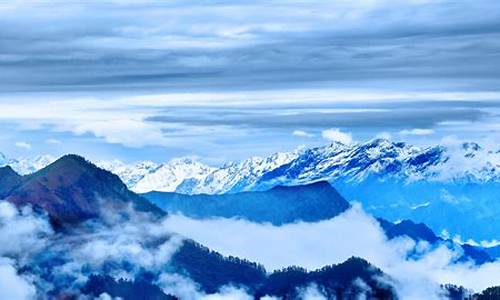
(420, 232)
(72, 190)
(417, 232)
(25, 165)
(140, 289)
(9, 180)
(379, 158)
(279, 205)
(213, 271)
(451, 188)
(167, 177)
(129, 174)
(147, 176)
(352, 279)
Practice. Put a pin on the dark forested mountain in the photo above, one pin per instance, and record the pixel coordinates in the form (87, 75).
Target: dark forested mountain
(211, 270)
(342, 281)
(72, 189)
(279, 205)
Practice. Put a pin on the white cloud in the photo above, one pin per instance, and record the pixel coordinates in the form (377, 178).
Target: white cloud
(13, 286)
(417, 131)
(186, 289)
(23, 145)
(354, 233)
(335, 135)
(302, 133)
(53, 141)
(311, 292)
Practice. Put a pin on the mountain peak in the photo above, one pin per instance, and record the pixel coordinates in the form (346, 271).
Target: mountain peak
(8, 171)
(72, 190)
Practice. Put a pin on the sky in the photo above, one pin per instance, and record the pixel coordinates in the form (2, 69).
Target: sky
(224, 80)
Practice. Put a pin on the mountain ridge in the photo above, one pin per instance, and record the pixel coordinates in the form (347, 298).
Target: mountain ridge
(279, 205)
(71, 190)
(379, 158)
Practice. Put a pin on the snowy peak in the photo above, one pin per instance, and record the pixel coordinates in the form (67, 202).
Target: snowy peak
(378, 158)
(26, 166)
(129, 174)
(167, 177)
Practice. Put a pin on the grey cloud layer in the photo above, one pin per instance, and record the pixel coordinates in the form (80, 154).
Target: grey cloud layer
(385, 117)
(223, 45)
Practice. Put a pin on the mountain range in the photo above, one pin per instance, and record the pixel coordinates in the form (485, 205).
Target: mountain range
(379, 158)
(450, 188)
(72, 191)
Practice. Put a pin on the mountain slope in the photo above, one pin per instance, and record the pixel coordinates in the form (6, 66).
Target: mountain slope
(279, 205)
(9, 180)
(72, 190)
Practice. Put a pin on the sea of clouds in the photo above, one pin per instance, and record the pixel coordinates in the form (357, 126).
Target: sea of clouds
(140, 243)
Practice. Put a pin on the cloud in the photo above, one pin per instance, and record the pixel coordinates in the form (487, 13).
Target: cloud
(417, 131)
(302, 133)
(123, 248)
(23, 145)
(354, 233)
(130, 44)
(335, 135)
(186, 289)
(312, 292)
(53, 141)
(204, 123)
(13, 286)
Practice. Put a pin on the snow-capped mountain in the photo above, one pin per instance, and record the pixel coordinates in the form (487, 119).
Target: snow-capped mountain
(379, 158)
(237, 176)
(129, 174)
(148, 176)
(167, 177)
(26, 166)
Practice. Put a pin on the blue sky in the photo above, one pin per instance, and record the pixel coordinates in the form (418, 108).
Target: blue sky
(223, 80)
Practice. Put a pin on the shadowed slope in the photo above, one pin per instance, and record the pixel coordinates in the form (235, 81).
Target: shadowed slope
(279, 205)
(9, 180)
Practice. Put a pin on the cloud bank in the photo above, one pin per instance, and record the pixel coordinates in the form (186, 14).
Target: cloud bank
(354, 233)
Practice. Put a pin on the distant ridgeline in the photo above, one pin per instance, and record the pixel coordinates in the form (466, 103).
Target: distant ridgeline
(279, 205)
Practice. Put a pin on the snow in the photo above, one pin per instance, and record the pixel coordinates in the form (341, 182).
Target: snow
(379, 158)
